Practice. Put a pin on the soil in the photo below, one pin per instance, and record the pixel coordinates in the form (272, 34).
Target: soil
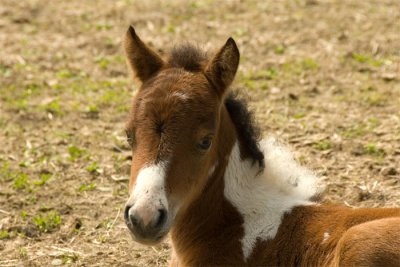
(321, 75)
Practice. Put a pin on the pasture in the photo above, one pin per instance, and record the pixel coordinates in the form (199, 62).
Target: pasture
(322, 76)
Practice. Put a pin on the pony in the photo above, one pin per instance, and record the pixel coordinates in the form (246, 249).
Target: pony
(201, 173)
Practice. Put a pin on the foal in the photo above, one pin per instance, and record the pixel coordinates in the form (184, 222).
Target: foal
(200, 173)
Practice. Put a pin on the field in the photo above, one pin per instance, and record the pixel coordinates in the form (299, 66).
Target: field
(321, 75)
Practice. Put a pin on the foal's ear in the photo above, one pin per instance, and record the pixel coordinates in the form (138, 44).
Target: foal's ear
(143, 61)
(222, 68)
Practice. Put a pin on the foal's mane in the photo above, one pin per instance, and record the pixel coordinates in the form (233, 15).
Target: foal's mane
(248, 132)
(188, 57)
(192, 59)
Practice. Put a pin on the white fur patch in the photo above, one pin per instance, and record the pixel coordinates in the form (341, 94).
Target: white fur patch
(263, 198)
(149, 192)
(180, 95)
(326, 236)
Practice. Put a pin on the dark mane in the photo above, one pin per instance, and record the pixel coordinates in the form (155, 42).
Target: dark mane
(187, 56)
(249, 134)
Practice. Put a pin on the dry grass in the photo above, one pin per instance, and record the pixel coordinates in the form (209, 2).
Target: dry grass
(322, 75)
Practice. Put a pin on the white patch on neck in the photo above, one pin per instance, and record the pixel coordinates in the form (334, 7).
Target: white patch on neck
(263, 198)
(149, 193)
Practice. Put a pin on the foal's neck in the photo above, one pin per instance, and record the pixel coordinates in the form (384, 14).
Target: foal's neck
(242, 202)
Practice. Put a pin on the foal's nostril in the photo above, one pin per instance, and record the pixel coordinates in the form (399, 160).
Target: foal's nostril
(126, 213)
(162, 216)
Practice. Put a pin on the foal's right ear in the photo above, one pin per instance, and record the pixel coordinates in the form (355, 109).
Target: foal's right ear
(143, 61)
(222, 68)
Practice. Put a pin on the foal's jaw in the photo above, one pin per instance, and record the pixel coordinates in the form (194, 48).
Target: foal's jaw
(147, 211)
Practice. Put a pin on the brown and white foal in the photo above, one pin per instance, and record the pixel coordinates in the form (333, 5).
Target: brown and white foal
(200, 173)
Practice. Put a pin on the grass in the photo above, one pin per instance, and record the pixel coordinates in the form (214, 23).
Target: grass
(75, 152)
(354, 131)
(279, 50)
(299, 115)
(300, 66)
(87, 187)
(309, 64)
(23, 215)
(21, 182)
(366, 59)
(5, 70)
(66, 74)
(44, 177)
(375, 99)
(23, 252)
(372, 149)
(93, 168)
(47, 222)
(4, 234)
(323, 145)
(83, 82)
(53, 107)
(361, 129)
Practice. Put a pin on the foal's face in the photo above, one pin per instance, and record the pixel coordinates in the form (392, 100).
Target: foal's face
(172, 130)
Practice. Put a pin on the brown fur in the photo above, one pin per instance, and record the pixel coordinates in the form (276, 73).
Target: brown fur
(208, 229)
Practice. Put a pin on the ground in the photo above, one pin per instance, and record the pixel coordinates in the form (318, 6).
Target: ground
(321, 75)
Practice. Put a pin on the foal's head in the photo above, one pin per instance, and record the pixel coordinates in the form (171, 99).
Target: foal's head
(173, 130)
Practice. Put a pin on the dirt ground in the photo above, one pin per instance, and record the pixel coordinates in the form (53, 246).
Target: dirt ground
(322, 75)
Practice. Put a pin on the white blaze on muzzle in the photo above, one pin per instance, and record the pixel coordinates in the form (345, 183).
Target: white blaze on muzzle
(149, 194)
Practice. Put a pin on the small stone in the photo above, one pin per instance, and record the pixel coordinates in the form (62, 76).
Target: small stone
(275, 90)
(293, 96)
(55, 253)
(56, 262)
(389, 171)
(388, 76)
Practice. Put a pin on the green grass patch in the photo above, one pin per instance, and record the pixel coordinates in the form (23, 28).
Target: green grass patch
(5, 172)
(298, 116)
(375, 99)
(279, 50)
(44, 177)
(372, 149)
(75, 152)
(24, 164)
(53, 107)
(354, 131)
(93, 168)
(5, 70)
(298, 67)
(23, 252)
(4, 234)
(47, 222)
(87, 187)
(309, 64)
(102, 61)
(103, 26)
(323, 145)
(66, 74)
(24, 215)
(366, 59)
(21, 181)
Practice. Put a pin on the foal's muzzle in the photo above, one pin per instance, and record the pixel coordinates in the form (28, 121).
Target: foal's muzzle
(147, 227)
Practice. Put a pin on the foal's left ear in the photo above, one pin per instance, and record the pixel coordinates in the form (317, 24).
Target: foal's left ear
(222, 68)
(144, 62)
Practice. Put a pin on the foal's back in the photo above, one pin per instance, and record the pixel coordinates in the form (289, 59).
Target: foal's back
(324, 235)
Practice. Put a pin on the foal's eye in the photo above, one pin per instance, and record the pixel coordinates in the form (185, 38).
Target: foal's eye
(205, 143)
